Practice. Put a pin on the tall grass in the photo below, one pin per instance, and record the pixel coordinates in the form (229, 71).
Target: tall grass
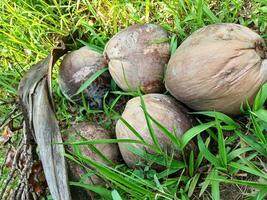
(204, 172)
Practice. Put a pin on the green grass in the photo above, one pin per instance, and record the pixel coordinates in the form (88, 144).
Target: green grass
(182, 179)
(28, 31)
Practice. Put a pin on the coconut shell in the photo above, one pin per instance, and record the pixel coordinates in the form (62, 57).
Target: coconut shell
(90, 132)
(165, 109)
(137, 57)
(76, 68)
(217, 68)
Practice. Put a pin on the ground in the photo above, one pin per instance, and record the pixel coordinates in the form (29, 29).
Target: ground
(30, 29)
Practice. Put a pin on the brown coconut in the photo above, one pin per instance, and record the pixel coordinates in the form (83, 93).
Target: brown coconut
(165, 110)
(76, 68)
(137, 57)
(217, 68)
(111, 151)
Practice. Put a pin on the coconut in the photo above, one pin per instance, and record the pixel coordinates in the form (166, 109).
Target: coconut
(110, 151)
(137, 57)
(166, 110)
(76, 68)
(218, 67)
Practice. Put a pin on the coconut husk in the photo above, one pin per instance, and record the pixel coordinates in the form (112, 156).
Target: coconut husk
(218, 67)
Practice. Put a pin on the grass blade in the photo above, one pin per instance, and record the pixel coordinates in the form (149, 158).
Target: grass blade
(235, 153)
(215, 186)
(115, 195)
(248, 169)
(92, 46)
(132, 129)
(191, 133)
(90, 80)
(164, 130)
(200, 155)
(94, 188)
(207, 154)
(240, 182)
(252, 142)
(210, 14)
(193, 185)
(261, 114)
(257, 129)
(260, 98)
(116, 176)
(191, 164)
(199, 12)
(162, 160)
(103, 141)
(149, 125)
(220, 116)
(205, 184)
(221, 143)
(173, 45)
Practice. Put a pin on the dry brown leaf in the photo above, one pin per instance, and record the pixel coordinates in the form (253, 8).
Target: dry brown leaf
(6, 135)
(38, 109)
(37, 179)
(10, 158)
(7, 132)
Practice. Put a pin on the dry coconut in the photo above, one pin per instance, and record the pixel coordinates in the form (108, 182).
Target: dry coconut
(217, 68)
(165, 109)
(137, 57)
(76, 68)
(110, 151)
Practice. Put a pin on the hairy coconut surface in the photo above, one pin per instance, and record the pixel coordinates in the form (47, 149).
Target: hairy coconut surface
(218, 67)
(110, 151)
(76, 68)
(137, 57)
(165, 109)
